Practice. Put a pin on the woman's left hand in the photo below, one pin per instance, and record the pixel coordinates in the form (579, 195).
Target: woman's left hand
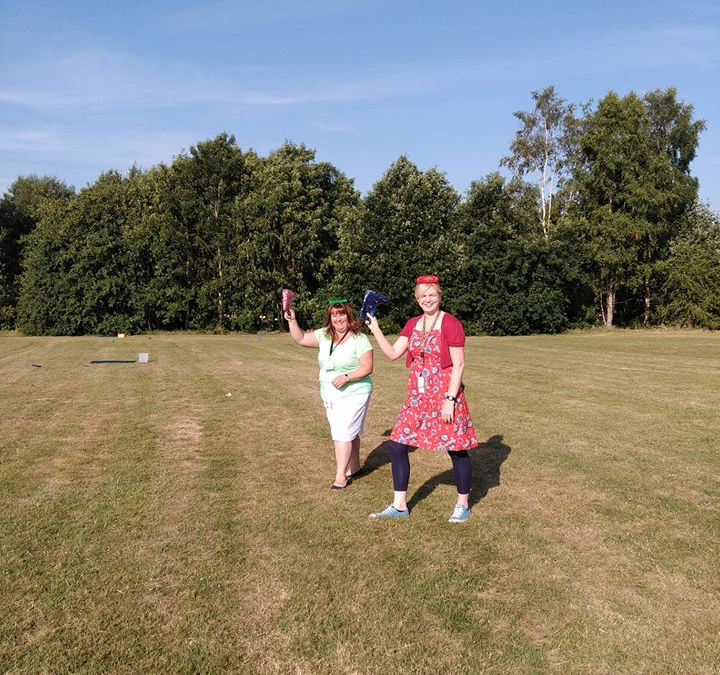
(447, 412)
(340, 381)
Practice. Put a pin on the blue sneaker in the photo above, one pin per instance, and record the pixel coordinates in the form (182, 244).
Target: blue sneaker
(391, 512)
(460, 514)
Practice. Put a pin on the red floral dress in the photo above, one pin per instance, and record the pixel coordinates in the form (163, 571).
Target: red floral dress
(419, 423)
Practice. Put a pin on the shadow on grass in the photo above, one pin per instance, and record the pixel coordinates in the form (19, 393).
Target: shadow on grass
(378, 457)
(486, 459)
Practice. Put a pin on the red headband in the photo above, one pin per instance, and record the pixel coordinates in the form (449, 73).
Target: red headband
(428, 279)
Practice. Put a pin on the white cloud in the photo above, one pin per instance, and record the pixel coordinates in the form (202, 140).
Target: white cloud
(28, 141)
(113, 150)
(229, 15)
(100, 80)
(334, 128)
(94, 82)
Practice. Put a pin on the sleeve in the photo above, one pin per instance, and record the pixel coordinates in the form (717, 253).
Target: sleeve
(455, 334)
(319, 335)
(408, 328)
(363, 345)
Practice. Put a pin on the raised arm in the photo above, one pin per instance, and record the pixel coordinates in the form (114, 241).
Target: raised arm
(298, 334)
(394, 351)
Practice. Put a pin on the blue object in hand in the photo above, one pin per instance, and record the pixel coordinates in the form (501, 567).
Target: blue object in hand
(370, 302)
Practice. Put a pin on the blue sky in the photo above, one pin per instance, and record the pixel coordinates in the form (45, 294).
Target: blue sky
(90, 86)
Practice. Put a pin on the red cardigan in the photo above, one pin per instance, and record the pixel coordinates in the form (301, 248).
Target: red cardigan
(451, 335)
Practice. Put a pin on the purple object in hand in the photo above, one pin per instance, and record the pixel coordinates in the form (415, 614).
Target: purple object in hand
(287, 296)
(370, 302)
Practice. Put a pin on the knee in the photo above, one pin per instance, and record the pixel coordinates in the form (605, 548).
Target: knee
(458, 453)
(397, 449)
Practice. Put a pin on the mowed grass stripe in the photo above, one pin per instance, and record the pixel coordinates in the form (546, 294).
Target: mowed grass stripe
(77, 511)
(314, 538)
(222, 550)
(634, 467)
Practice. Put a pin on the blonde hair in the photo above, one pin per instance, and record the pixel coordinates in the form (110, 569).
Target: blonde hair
(421, 288)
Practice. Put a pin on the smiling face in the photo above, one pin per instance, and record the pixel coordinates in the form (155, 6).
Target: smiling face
(339, 320)
(428, 297)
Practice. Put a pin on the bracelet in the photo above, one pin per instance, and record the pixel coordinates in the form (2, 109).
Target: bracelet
(449, 397)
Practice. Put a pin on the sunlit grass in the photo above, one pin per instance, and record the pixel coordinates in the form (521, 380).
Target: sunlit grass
(151, 523)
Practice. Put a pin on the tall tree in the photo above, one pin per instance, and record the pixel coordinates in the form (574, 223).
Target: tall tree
(676, 135)
(199, 193)
(399, 234)
(542, 147)
(286, 229)
(623, 186)
(502, 279)
(78, 277)
(21, 208)
(690, 276)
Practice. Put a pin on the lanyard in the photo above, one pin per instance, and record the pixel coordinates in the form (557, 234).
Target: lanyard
(334, 344)
(426, 333)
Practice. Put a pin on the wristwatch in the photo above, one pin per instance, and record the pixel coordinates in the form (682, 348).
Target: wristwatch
(449, 397)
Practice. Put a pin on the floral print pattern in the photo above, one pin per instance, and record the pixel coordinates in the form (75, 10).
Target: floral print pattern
(419, 424)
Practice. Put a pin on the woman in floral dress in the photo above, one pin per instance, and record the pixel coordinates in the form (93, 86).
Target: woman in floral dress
(435, 414)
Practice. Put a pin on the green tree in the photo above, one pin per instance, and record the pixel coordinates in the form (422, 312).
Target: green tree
(543, 147)
(400, 233)
(690, 276)
(502, 279)
(623, 186)
(78, 276)
(286, 229)
(21, 208)
(196, 223)
(676, 135)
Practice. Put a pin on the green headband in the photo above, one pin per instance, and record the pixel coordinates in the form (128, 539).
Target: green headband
(337, 302)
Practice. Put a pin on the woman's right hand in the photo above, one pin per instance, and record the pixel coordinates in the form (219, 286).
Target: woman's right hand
(373, 324)
(290, 315)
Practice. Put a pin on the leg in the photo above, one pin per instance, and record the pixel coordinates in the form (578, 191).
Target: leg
(462, 469)
(400, 462)
(354, 463)
(342, 457)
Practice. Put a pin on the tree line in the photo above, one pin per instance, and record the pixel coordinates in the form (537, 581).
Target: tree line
(599, 223)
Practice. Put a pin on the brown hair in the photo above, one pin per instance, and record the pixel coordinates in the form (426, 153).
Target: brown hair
(342, 308)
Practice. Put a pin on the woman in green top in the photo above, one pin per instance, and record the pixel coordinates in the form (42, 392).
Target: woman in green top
(346, 361)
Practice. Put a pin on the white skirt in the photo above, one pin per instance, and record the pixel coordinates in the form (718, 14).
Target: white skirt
(347, 416)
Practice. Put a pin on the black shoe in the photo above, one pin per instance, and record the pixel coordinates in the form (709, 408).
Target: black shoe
(341, 487)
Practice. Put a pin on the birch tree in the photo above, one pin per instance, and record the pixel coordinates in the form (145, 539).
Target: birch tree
(542, 148)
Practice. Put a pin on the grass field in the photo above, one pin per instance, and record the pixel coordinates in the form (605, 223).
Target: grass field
(150, 523)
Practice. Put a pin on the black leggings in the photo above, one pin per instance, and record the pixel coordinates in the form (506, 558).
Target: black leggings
(400, 461)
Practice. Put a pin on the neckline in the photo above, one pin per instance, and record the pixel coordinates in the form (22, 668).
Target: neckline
(342, 339)
(440, 320)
